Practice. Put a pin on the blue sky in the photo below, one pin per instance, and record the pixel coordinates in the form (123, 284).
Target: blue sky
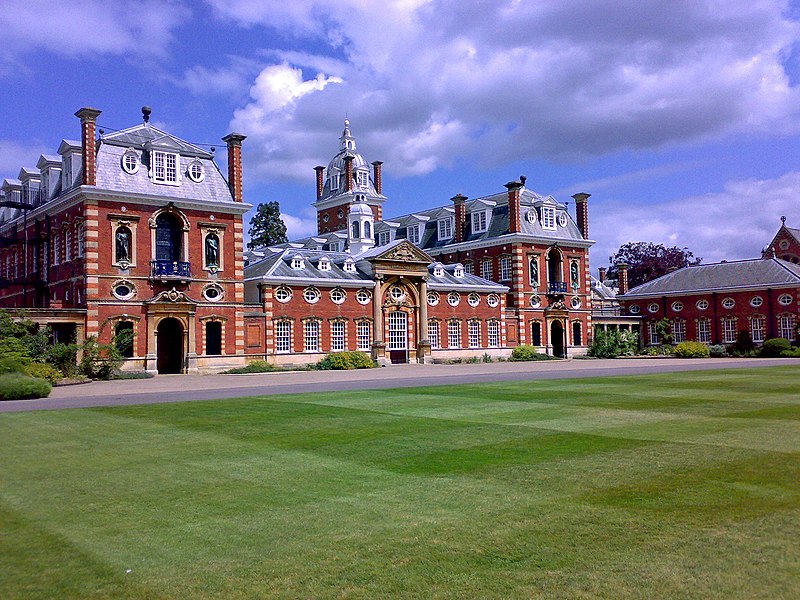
(681, 118)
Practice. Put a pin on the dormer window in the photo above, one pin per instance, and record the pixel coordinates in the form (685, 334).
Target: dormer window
(349, 266)
(195, 171)
(334, 179)
(479, 221)
(413, 234)
(445, 228)
(459, 270)
(438, 270)
(548, 217)
(324, 264)
(383, 238)
(298, 262)
(130, 161)
(362, 179)
(66, 173)
(165, 167)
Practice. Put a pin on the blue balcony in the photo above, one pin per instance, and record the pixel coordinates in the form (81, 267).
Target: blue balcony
(169, 269)
(557, 287)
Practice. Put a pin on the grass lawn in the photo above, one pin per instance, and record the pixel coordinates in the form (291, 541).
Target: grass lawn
(681, 485)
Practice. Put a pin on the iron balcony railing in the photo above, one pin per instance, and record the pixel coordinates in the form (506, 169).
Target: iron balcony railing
(557, 287)
(170, 269)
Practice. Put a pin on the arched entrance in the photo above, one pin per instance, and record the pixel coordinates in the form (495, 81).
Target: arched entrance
(169, 346)
(398, 337)
(557, 339)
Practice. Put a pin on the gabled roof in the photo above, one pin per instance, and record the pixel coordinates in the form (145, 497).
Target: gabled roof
(145, 135)
(740, 274)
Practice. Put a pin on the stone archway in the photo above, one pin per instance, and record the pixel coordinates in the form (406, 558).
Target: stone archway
(557, 339)
(169, 346)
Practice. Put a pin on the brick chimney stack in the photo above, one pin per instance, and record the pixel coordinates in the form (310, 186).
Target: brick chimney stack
(459, 202)
(348, 173)
(514, 223)
(582, 213)
(88, 117)
(320, 180)
(377, 176)
(622, 285)
(234, 141)
(601, 274)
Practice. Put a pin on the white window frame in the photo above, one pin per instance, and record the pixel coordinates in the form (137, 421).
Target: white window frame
(283, 337)
(474, 330)
(474, 299)
(652, 334)
(704, 331)
(434, 334)
(453, 298)
(311, 336)
(487, 268)
(728, 330)
(454, 334)
(363, 296)
(384, 237)
(363, 336)
(758, 328)
(67, 244)
(493, 334)
(338, 295)
(548, 217)
(283, 294)
(678, 330)
(445, 228)
(398, 330)
(505, 268)
(786, 327)
(480, 221)
(412, 234)
(338, 336)
(166, 167)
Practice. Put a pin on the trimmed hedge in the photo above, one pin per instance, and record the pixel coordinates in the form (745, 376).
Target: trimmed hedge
(525, 352)
(339, 361)
(691, 350)
(257, 366)
(773, 347)
(18, 386)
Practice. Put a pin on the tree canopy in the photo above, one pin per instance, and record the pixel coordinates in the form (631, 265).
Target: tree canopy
(647, 260)
(266, 226)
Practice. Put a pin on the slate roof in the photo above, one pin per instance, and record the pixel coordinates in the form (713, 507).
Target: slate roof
(601, 290)
(741, 274)
(142, 135)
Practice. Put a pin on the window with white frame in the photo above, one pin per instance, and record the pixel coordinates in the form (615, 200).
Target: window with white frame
(324, 264)
(678, 331)
(494, 334)
(728, 303)
(362, 179)
(433, 298)
(652, 333)
(283, 294)
(337, 336)
(474, 330)
(311, 336)
(81, 233)
(548, 217)
(383, 238)
(702, 305)
(412, 234)
(56, 248)
(757, 329)
(704, 331)
(486, 268)
(398, 330)
(297, 262)
(363, 336)
(438, 270)
(493, 300)
(67, 244)
(165, 167)
(311, 295)
(785, 299)
(756, 301)
(534, 271)
(338, 295)
(454, 334)
(479, 221)
(453, 298)
(349, 266)
(473, 299)
(469, 267)
(786, 327)
(728, 330)
(458, 271)
(283, 336)
(363, 296)
(445, 228)
(434, 333)
(505, 268)
(334, 179)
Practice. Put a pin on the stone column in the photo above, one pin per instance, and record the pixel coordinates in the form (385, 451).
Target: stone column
(378, 345)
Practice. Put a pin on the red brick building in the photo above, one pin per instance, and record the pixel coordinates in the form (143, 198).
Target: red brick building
(135, 229)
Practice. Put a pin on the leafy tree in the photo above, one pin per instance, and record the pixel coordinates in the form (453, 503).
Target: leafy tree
(266, 226)
(647, 260)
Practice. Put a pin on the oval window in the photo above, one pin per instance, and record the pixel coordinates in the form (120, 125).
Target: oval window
(453, 298)
(702, 305)
(283, 294)
(311, 295)
(784, 299)
(363, 296)
(433, 298)
(728, 303)
(473, 300)
(493, 300)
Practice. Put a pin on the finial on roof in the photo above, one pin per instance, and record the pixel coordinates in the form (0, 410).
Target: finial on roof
(523, 179)
(783, 219)
(146, 110)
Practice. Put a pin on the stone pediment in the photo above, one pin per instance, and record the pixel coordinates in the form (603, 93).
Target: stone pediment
(404, 252)
(172, 296)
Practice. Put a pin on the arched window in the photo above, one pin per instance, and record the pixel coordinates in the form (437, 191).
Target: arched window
(554, 265)
(577, 338)
(367, 232)
(122, 245)
(574, 276)
(123, 338)
(356, 230)
(534, 271)
(212, 250)
(168, 238)
(536, 333)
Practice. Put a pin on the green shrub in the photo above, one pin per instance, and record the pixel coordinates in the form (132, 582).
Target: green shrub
(11, 365)
(15, 349)
(44, 371)
(133, 375)
(691, 350)
(793, 353)
(614, 343)
(525, 352)
(257, 366)
(63, 357)
(773, 347)
(18, 386)
(100, 361)
(717, 351)
(338, 361)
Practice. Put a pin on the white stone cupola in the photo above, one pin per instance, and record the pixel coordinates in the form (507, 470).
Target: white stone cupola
(360, 228)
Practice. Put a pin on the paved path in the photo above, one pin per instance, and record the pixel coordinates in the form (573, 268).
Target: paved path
(180, 388)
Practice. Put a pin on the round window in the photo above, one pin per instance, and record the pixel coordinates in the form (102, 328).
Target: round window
(473, 300)
(453, 298)
(728, 303)
(283, 294)
(536, 301)
(195, 171)
(124, 290)
(634, 309)
(756, 301)
(397, 293)
(340, 214)
(338, 295)
(653, 307)
(576, 302)
(325, 218)
(493, 300)
(130, 162)
(784, 299)
(212, 293)
(311, 295)
(530, 216)
(677, 306)
(363, 296)
(433, 298)
(784, 244)
(702, 305)
(562, 219)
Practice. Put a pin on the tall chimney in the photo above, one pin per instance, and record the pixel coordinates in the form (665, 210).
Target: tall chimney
(622, 284)
(601, 274)
(514, 224)
(320, 180)
(582, 213)
(376, 176)
(348, 173)
(88, 117)
(459, 203)
(234, 141)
